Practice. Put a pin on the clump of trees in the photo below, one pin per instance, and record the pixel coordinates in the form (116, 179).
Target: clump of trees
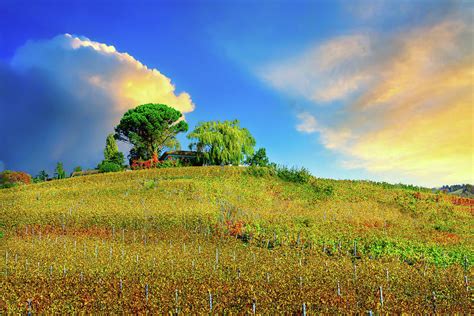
(222, 143)
(151, 128)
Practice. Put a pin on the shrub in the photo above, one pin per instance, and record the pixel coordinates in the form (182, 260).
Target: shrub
(155, 163)
(287, 174)
(10, 179)
(150, 184)
(169, 163)
(322, 189)
(260, 171)
(293, 174)
(108, 166)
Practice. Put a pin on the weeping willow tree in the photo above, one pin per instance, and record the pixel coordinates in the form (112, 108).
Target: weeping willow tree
(222, 143)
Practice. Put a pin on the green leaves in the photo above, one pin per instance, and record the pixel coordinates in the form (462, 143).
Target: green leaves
(113, 158)
(150, 128)
(222, 143)
(111, 151)
(59, 172)
(259, 159)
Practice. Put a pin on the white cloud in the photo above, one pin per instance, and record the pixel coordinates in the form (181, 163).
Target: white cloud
(81, 65)
(64, 95)
(307, 123)
(325, 73)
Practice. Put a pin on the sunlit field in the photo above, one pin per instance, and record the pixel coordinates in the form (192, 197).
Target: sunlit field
(220, 240)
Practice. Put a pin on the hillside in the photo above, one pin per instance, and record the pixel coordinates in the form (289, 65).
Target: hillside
(201, 239)
(462, 190)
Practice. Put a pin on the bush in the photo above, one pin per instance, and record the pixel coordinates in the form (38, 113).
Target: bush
(10, 179)
(260, 171)
(108, 166)
(287, 174)
(150, 184)
(169, 163)
(293, 174)
(322, 190)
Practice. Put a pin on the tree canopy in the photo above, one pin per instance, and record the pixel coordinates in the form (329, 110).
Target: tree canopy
(150, 128)
(111, 151)
(42, 175)
(59, 171)
(112, 155)
(259, 159)
(222, 143)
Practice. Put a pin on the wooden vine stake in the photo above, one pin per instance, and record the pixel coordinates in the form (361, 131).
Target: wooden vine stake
(176, 297)
(146, 292)
(381, 296)
(29, 301)
(210, 301)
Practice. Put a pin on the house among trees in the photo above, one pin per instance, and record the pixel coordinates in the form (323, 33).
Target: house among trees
(187, 157)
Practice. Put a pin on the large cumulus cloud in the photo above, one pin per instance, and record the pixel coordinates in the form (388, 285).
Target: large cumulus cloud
(60, 97)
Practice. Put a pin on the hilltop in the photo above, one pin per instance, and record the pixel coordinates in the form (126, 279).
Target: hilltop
(279, 238)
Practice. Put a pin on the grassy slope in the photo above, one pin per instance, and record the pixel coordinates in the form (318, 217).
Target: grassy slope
(192, 206)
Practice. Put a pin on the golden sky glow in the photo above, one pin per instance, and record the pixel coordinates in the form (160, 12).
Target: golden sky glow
(409, 101)
(119, 76)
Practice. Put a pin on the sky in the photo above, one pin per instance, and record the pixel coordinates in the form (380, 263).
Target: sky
(379, 90)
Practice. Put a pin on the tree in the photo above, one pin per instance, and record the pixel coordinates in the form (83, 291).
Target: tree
(111, 151)
(222, 143)
(59, 172)
(149, 128)
(259, 159)
(113, 158)
(42, 176)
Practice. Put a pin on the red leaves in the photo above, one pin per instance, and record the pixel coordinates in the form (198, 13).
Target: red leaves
(447, 238)
(147, 164)
(236, 228)
(417, 195)
(456, 200)
(11, 177)
(462, 201)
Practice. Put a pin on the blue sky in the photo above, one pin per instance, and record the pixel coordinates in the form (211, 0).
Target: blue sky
(312, 80)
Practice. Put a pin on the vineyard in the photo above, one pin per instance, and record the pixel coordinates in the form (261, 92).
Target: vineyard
(215, 240)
